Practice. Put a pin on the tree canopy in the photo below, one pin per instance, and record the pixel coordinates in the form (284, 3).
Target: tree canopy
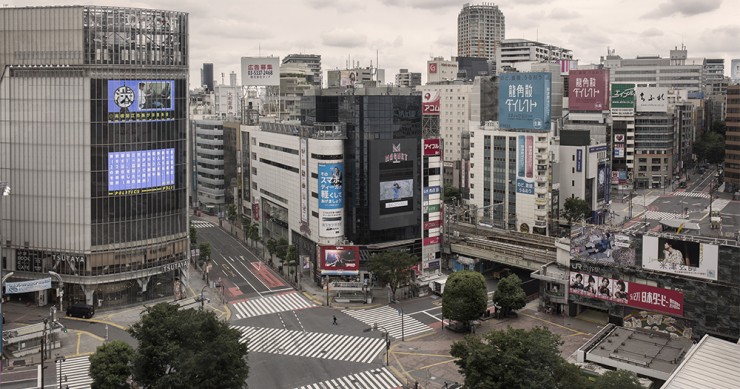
(392, 268)
(187, 349)
(193, 235)
(451, 192)
(509, 294)
(205, 251)
(465, 296)
(514, 358)
(617, 379)
(710, 147)
(110, 365)
(576, 209)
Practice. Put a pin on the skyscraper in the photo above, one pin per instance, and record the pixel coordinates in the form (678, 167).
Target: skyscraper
(480, 30)
(207, 77)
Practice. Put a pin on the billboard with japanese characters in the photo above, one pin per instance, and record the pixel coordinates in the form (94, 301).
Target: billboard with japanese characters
(651, 99)
(430, 102)
(141, 100)
(622, 100)
(260, 71)
(525, 165)
(331, 199)
(589, 90)
(524, 101)
(393, 187)
(680, 257)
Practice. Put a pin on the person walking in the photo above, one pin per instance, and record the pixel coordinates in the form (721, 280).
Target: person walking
(335, 320)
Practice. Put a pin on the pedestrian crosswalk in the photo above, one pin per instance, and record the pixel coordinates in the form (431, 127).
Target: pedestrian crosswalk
(718, 205)
(371, 379)
(201, 224)
(657, 215)
(76, 371)
(259, 306)
(311, 344)
(390, 319)
(692, 194)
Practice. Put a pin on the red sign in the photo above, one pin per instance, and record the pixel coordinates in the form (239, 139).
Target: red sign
(256, 212)
(430, 103)
(432, 67)
(340, 260)
(432, 147)
(627, 293)
(431, 240)
(588, 90)
(432, 224)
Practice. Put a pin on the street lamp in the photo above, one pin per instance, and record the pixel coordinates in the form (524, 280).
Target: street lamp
(387, 339)
(59, 359)
(5, 190)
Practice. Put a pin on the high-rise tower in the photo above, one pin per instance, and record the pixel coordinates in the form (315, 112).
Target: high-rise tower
(480, 30)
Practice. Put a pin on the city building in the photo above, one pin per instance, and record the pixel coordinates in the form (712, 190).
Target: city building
(408, 79)
(513, 51)
(103, 203)
(471, 67)
(312, 62)
(480, 30)
(732, 138)
(714, 76)
(295, 79)
(206, 77)
(440, 69)
(356, 78)
(227, 99)
(677, 72)
(215, 162)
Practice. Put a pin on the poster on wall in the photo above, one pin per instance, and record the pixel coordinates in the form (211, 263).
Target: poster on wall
(680, 257)
(602, 244)
(589, 90)
(331, 199)
(339, 260)
(524, 101)
(141, 100)
(141, 171)
(260, 71)
(525, 168)
(601, 182)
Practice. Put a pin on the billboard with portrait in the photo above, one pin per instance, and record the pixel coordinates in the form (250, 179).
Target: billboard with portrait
(589, 90)
(339, 260)
(651, 99)
(393, 173)
(260, 71)
(141, 100)
(525, 165)
(430, 102)
(680, 257)
(331, 199)
(141, 171)
(602, 182)
(602, 244)
(396, 191)
(524, 101)
(348, 78)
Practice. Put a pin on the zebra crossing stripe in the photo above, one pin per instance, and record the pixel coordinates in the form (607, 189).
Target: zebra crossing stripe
(271, 304)
(311, 344)
(389, 318)
(656, 215)
(692, 194)
(77, 371)
(201, 224)
(370, 379)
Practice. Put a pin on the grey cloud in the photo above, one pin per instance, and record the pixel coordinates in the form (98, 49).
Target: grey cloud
(232, 29)
(651, 32)
(683, 7)
(560, 13)
(721, 39)
(342, 37)
(422, 4)
(337, 5)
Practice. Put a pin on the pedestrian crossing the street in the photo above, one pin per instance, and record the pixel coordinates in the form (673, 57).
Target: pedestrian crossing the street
(692, 194)
(657, 215)
(259, 306)
(371, 379)
(311, 344)
(201, 224)
(77, 372)
(389, 318)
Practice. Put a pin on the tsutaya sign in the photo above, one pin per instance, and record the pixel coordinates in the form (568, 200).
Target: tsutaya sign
(174, 266)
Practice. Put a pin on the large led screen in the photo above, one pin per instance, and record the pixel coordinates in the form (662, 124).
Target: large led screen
(140, 100)
(396, 190)
(340, 260)
(392, 178)
(331, 199)
(143, 171)
(680, 257)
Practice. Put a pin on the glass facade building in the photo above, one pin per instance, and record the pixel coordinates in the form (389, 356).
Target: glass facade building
(93, 138)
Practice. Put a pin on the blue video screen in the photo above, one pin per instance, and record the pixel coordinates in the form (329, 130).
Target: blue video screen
(143, 171)
(140, 100)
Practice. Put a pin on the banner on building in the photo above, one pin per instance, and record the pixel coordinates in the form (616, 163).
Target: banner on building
(339, 260)
(260, 71)
(680, 257)
(331, 199)
(141, 100)
(525, 165)
(619, 150)
(27, 286)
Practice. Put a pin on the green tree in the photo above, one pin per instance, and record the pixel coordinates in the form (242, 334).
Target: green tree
(513, 358)
(465, 296)
(253, 233)
(231, 214)
(291, 260)
(509, 294)
(450, 192)
(193, 235)
(281, 250)
(110, 365)
(205, 251)
(187, 349)
(710, 147)
(576, 209)
(271, 248)
(245, 226)
(392, 268)
(617, 379)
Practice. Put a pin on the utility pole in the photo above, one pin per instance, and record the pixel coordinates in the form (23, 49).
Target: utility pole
(43, 351)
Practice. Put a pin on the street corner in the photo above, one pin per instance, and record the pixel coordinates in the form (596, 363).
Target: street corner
(315, 299)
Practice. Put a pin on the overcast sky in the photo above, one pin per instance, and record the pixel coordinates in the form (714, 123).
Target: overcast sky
(406, 33)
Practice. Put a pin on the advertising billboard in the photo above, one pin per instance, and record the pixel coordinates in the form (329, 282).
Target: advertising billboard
(339, 260)
(628, 293)
(260, 71)
(430, 102)
(524, 101)
(622, 101)
(347, 78)
(651, 99)
(393, 173)
(602, 244)
(525, 168)
(680, 257)
(331, 199)
(397, 190)
(142, 171)
(432, 147)
(735, 70)
(619, 150)
(579, 160)
(656, 321)
(601, 182)
(141, 100)
(589, 90)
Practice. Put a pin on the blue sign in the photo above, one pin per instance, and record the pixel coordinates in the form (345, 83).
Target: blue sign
(331, 195)
(524, 101)
(524, 187)
(27, 286)
(142, 171)
(431, 190)
(579, 160)
(140, 100)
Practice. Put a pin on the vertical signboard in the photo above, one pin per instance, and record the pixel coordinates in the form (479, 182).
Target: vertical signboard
(393, 187)
(579, 160)
(331, 199)
(651, 99)
(524, 101)
(589, 90)
(525, 169)
(432, 147)
(303, 170)
(430, 102)
(260, 71)
(622, 100)
(601, 182)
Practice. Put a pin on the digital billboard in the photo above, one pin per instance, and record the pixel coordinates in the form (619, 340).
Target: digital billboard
(619, 150)
(141, 171)
(524, 101)
(622, 101)
(339, 260)
(602, 244)
(393, 173)
(260, 71)
(680, 257)
(602, 183)
(627, 293)
(651, 99)
(396, 190)
(525, 165)
(347, 78)
(430, 102)
(331, 199)
(140, 100)
(589, 90)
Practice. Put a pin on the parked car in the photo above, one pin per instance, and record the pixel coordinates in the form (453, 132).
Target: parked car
(84, 311)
